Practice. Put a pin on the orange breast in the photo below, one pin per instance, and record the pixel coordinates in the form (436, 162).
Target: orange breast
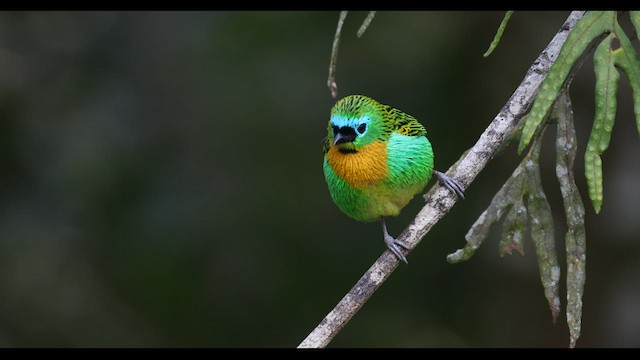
(366, 167)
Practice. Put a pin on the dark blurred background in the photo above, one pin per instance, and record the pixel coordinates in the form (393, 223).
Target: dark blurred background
(162, 183)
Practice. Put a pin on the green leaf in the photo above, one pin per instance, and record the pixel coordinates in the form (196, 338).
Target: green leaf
(499, 32)
(626, 59)
(635, 20)
(575, 238)
(607, 78)
(592, 25)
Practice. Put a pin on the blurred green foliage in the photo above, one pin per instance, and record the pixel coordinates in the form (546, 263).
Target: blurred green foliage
(162, 184)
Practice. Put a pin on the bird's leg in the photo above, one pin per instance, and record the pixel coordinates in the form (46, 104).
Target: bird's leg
(392, 244)
(450, 183)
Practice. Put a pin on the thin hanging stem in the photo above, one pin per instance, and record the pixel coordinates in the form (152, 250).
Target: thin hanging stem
(331, 82)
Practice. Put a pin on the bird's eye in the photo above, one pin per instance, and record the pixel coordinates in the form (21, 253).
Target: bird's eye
(362, 128)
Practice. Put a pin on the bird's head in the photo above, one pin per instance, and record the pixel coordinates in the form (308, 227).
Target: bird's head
(356, 121)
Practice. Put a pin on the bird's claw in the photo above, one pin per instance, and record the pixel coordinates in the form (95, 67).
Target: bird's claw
(393, 244)
(450, 183)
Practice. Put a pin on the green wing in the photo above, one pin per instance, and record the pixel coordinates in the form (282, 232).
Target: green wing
(404, 124)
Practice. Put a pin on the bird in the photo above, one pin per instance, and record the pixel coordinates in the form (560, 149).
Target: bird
(376, 159)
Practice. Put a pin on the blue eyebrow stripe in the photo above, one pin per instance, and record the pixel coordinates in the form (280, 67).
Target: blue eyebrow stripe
(341, 121)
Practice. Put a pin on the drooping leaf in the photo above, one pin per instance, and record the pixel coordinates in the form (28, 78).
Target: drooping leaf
(575, 238)
(514, 228)
(607, 78)
(499, 32)
(626, 59)
(511, 192)
(592, 25)
(480, 229)
(542, 230)
(635, 20)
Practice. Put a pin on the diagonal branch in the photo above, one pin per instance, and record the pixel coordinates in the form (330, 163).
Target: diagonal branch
(439, 200)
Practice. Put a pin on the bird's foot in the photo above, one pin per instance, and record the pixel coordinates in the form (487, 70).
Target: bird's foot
(393, 244)
(450, 183)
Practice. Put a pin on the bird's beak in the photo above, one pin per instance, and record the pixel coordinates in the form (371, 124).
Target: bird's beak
(345, 135)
